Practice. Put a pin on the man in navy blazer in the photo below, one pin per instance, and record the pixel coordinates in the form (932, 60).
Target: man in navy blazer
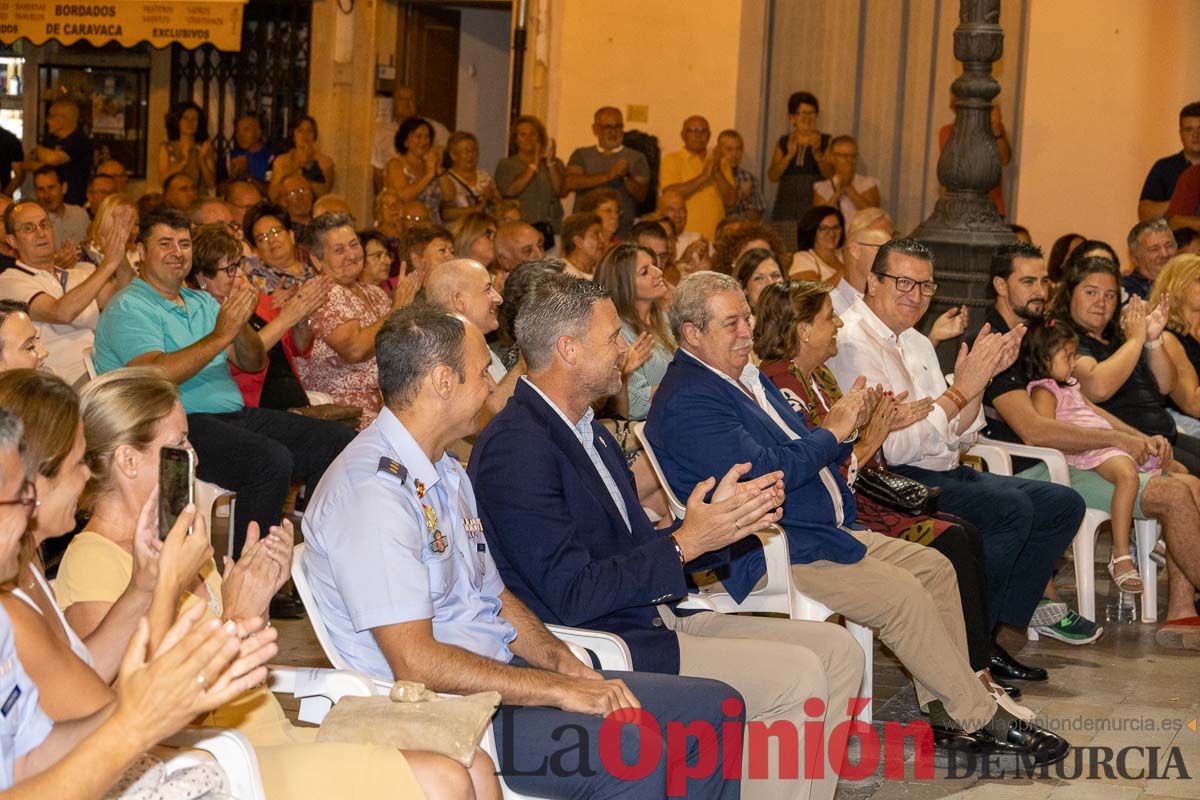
(713, 409)
(570, 539)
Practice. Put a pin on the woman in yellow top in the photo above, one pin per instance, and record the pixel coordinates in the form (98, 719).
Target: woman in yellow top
(130, 415)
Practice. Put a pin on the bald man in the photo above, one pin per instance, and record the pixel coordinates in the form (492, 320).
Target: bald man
(66, 147)
(697, 175)
(331, 204)
(516, 243)
(463, 286)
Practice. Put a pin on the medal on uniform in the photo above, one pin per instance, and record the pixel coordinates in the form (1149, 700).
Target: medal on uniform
(437, 541)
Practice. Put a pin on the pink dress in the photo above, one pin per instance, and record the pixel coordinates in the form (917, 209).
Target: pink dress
(1071, 407)
(325, 371)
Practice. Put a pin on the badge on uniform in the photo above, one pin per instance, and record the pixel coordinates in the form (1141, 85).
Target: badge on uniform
(437, 540)
(13, 696)
(391, 466)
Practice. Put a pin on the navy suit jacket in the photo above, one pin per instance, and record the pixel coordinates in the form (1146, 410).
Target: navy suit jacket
(560, 542)
(700, 425)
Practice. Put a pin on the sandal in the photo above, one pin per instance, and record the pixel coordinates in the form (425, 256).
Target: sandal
(1129, 582)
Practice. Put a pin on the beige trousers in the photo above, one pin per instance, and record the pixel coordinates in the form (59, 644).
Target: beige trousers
(909, 594)
(776, 665)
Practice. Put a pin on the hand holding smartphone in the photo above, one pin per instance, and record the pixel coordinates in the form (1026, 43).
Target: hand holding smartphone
(176, 486)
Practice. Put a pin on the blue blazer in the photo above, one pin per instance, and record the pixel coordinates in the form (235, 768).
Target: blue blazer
(700, 425)
(560, 542)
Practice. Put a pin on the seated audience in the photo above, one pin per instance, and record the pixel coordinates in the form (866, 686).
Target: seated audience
(70, 221)
(756, 270)
(250, 157)
(606, 204)
(700, 177)
(747, 202)
(1026, 525)
(465, 187)
(475, 237)
(795, 334)
(845, 188)
(800, 159)
(673, 215)
(637, 289)
(1187, 240)
(1164, 174)
(1060, 251)
(66, 303)
(20, 345)
(188, 150)
(269, 230)
(241, 196)
(8, 253)
(1122, 365)
(114, 210)
(380, 267)
(611, 165)
(111, 168)
(516, 243)
(284, 329)
(296, 197)
(425, 246)
(179, 191)
(519, 282)
(413, 172)
(303, 159)
(341, 362)
(820, 235)
(582, 244)
(714, 410)
(128, 416)
(1151, 246)
(331, 204)
(652, 234)
(156, 321)
(546, 467)
(1021, 232)
(1178, 283)
(739, 240)
(532, 174)
(98, 188)
(407, 585)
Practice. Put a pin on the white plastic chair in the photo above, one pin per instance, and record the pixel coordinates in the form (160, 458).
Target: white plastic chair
(779, 595)
(89, 363)
(206, 497)
(998, 455)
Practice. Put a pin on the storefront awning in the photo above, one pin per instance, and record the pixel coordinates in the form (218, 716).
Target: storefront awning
(191, 23)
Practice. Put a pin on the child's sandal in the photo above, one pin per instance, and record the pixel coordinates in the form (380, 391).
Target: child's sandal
(1129, 582)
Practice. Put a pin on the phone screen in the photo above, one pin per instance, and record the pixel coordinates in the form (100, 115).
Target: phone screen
(176, 481)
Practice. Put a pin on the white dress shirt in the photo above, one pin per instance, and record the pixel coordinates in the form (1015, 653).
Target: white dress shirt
(904, 363)
(843, 296)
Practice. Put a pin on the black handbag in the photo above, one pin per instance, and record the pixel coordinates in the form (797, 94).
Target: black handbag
(897, 492)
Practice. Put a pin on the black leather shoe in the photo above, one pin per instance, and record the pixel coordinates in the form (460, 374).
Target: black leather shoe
(284, 607)
(1003, 665)
(953, 740)
(1022, 739)
(1009, 689)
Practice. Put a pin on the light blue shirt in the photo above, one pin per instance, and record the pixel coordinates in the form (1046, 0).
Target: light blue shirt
(587, 437)
(139, 320)
(372, 554)
(645, 378)
(23, 725)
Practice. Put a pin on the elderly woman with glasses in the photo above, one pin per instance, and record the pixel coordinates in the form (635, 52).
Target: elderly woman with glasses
(280, 319)
(268, 228)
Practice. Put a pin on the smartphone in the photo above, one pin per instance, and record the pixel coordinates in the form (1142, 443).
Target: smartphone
(176, 486)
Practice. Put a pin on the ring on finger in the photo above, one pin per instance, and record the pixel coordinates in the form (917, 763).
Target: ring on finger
(200, 678)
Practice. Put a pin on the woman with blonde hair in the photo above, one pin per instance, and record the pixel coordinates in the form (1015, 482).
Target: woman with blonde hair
(129, 415)
(1179, 282)
(116, 210)
(475, 237)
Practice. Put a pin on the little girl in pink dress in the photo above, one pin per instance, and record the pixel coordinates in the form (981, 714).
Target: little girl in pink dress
(1048, 360)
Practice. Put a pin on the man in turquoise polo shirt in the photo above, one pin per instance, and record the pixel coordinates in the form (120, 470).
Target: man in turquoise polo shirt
(157, 321)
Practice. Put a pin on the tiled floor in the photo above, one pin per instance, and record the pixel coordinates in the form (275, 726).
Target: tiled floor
(1121, 693)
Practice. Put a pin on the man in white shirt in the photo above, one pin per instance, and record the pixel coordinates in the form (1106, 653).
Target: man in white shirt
(846, 189)
(1026, 525)
(65, 303)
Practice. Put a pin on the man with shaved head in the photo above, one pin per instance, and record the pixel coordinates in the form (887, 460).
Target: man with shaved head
(516, 243)
(67, 147)
(464, 287)
(696, 174)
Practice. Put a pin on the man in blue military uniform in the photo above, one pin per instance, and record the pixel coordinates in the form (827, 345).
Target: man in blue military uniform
(401, 569)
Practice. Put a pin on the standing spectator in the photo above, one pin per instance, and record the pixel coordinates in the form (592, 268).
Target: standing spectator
(475, 238)
(179, 191)
(846, 189)
(188, 150)
(303, 159)
(698, 175)
(99, 187)
(1151, 246)
(70, 221)
(412, 172)
(1160, 181)
(342, 361)
(820, 235)
(12, 163)
(66, 146)
(250, 156)
(1183, 211)
(996, 195)
(111, 168)
(747, 200)
(465, 187)
(799, 160)
(65, 302)
(532, 174)
(582, 243)
(295, 194)
(404, 108)
(610, 164)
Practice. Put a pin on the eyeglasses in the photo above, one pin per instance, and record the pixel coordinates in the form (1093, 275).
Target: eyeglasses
(231, 270)
(490, 233)
(26, 498)
(377, 255)
(414, 218)
(297, 192)
(905, 285)
(273, 233)
(30, 227)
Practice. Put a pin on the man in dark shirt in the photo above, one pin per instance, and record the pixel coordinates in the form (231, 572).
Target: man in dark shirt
(1151, 246)
(67, 147)
(1160, 181)
(12, 156)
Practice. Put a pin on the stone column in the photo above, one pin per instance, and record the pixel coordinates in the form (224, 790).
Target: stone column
(964, 228)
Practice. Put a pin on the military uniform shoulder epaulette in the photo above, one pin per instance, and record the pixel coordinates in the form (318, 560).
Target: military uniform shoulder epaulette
(390, 466)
